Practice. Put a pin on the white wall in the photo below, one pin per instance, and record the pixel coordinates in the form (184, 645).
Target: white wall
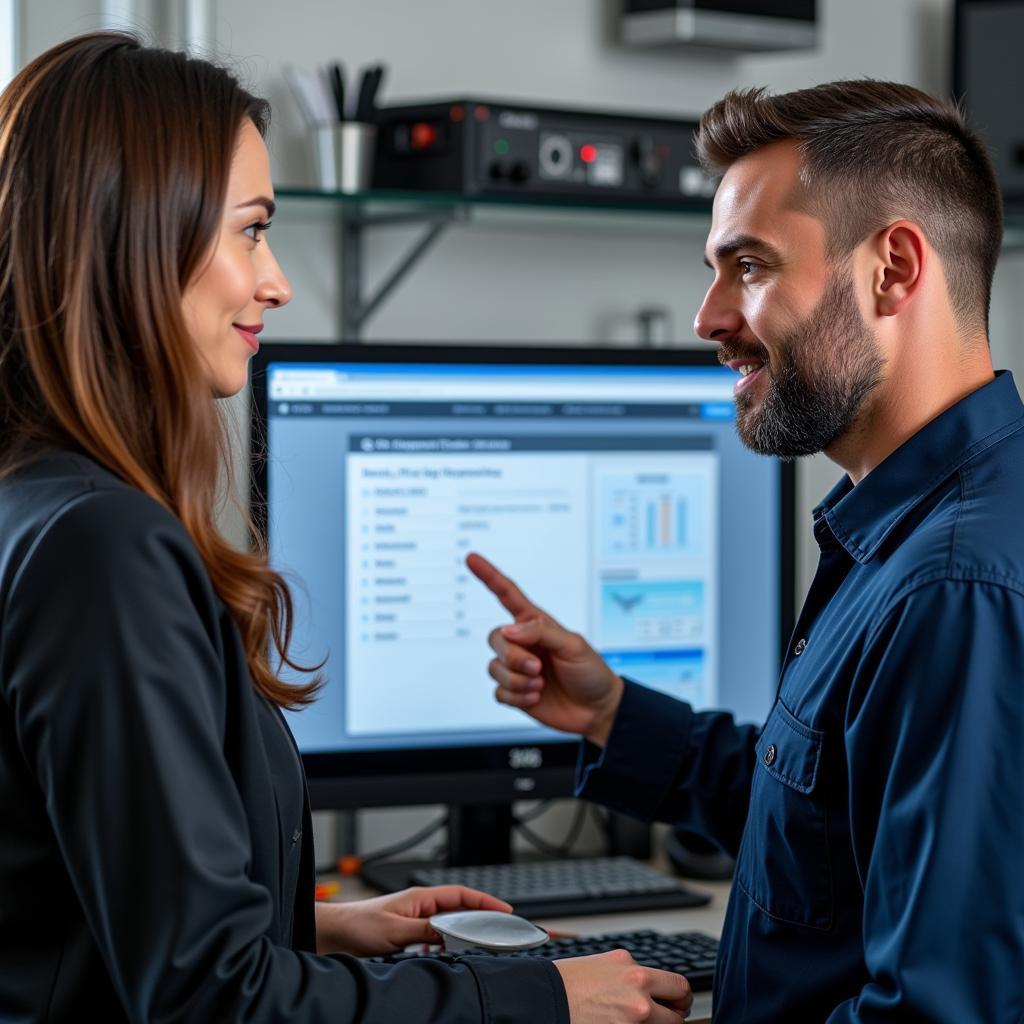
(570, 278)
(9, 39)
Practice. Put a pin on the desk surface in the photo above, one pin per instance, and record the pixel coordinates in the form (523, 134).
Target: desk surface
(701, 919)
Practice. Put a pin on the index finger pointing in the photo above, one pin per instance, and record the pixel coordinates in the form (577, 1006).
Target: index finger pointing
(500, 585)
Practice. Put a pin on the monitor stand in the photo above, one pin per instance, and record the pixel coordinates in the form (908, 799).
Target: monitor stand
(477, 834)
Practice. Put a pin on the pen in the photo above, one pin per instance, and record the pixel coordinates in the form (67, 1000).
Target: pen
(378, 77)
(336, 73)
(368, 88)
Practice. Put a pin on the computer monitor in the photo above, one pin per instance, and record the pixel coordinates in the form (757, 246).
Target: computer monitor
(609, 483)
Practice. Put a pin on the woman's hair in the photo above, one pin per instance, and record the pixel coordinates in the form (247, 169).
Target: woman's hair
(114, 164)
(874, 152)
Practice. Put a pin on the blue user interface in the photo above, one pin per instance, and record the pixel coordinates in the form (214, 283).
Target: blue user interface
(619, 498)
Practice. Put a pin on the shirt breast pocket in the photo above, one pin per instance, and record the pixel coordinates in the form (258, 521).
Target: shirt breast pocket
(784, 863)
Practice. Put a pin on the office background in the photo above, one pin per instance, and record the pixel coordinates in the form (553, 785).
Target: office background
(571, 279)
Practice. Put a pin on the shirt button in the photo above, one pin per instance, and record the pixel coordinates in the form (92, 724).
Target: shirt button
(769, 755)
(801, 646)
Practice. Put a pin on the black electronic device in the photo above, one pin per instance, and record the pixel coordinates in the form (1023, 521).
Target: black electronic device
(721, 24)
(988, 77)
(609, 482)
(693, 856)
(691, 954)
(475, 147)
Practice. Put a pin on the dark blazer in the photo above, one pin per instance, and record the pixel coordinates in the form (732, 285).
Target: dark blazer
(156, 861)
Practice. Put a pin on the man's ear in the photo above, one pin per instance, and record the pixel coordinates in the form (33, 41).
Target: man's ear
(902, 255)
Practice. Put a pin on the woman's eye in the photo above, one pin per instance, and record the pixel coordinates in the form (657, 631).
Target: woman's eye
(254, 231)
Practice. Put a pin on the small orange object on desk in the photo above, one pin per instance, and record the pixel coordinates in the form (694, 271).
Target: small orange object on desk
(325, 890)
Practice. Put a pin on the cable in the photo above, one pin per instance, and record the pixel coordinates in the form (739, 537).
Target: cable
(565, 848)
(407, 844)
(519, 823)
(542, 808)
(400, 847)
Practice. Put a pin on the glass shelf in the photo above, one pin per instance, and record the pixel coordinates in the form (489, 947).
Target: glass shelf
(692, 215)
(510, 212)
(445, 200)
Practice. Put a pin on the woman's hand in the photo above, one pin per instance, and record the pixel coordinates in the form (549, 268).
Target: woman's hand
(612, 988)
(385, 924)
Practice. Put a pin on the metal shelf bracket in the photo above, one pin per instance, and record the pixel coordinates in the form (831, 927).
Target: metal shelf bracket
(356, 309)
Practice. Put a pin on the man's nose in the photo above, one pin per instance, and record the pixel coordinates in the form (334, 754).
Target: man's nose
(717, 318)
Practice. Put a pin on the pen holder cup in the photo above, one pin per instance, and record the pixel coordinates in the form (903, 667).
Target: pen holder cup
(344, 156)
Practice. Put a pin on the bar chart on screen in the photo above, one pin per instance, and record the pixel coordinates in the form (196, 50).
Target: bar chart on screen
(655, 595)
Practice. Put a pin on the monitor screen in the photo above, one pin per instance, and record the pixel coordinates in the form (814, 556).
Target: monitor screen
(610, 485)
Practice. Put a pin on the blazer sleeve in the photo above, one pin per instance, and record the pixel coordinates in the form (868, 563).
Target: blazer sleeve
(110, 660)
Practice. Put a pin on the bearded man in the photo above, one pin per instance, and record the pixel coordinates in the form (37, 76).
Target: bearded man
(877, 816)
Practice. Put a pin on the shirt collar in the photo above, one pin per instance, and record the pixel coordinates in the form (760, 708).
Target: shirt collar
(861, 517)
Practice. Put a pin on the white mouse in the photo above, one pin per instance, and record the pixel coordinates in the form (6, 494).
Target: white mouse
(487, 929)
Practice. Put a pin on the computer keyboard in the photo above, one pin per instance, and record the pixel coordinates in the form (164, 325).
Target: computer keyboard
(688, 953)
(594, 885)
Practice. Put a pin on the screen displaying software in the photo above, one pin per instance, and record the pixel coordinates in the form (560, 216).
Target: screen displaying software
(618, 497)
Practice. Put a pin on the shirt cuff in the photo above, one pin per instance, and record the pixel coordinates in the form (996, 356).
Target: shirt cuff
(514, 989)
(644, 753)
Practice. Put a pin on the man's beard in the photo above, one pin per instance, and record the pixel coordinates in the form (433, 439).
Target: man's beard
(827, 366)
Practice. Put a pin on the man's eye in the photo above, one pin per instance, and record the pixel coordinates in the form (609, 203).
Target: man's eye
(746, 267)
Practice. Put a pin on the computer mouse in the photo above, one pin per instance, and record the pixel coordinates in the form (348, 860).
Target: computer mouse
(487, 929)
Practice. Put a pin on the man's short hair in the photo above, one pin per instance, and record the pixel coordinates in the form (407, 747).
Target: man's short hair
(874, 152)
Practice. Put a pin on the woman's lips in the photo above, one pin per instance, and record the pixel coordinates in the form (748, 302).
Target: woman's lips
(249, 334)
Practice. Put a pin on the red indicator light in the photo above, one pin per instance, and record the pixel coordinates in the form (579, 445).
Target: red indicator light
(423, 135)
(482, 113)
(588, 153)
(457, 114)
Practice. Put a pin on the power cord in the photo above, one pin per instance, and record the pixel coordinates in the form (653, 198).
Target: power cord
(426, 832)
(564, 849)
(394, 849)
(519, 822)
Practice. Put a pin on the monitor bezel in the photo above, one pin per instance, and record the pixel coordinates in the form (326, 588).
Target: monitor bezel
(473, 774)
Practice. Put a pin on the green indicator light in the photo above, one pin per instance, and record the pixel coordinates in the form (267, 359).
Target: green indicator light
(501, 147)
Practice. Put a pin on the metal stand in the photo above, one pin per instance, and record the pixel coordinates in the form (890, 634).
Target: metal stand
(356, 309)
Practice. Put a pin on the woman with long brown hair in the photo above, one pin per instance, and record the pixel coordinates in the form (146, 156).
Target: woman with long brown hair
(156, 860)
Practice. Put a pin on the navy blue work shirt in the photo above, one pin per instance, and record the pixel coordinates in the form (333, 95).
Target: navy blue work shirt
(878, 815)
